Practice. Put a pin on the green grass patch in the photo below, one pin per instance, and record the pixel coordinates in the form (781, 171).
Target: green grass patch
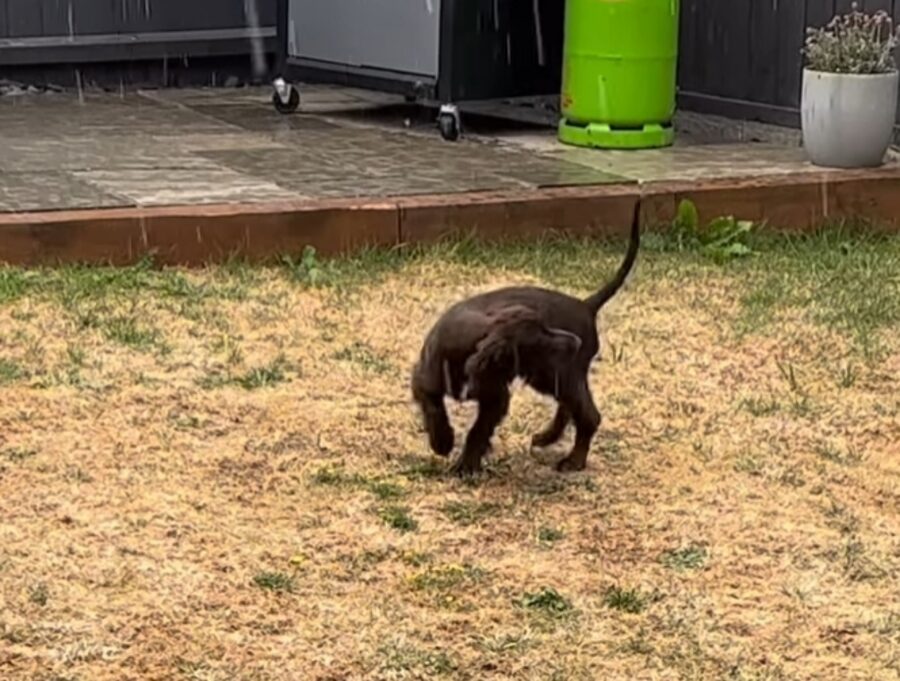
(447, 577)
(691, 557)
(362, 355)
(398, 518)
(547, 601)
(274, 581)
(468, 512)
(631, 601)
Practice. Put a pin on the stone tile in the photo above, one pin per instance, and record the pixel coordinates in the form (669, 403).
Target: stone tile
(93, 152)
(53, 191)
(693, 163)
(152, 187)
(100, 115)
(261, 119)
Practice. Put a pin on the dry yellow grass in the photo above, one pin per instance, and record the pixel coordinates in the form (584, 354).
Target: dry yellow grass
(236, 488)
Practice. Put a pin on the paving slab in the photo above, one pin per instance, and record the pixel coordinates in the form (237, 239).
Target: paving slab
(197, 175)
(53, 190)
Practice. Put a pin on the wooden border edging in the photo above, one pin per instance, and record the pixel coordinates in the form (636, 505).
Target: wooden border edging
(199, 235)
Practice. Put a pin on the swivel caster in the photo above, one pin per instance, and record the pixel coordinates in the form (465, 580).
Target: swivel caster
(449, 122)
(286, 97)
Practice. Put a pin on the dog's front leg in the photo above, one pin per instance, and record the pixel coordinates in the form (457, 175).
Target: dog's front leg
(437, 423)
(492, 410)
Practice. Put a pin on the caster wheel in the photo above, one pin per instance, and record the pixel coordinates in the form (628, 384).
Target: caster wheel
(288, 107)
(449, 127)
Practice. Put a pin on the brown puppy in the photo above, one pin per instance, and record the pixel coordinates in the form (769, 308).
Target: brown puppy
(480, 345)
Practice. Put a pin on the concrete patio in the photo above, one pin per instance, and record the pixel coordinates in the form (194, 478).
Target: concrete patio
(197, 157)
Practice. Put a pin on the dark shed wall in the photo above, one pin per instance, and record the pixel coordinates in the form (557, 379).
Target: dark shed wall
(743, 57)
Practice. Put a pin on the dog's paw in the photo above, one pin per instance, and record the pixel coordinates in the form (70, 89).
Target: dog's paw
(442, 442)
(571, 465)
(543, 440)
(465, 468)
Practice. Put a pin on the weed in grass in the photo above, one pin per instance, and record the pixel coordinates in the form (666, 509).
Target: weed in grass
(128, 331)
(847, 376)
(228, 346)
(17, 455)
(39, 594)
(468, 512)
(423, 469)
(264, 376)
(14, 283)
(548, 601)
(631, 601)
(10, 371)
(831, 453)
(386, 490)
(444, 578)
(638, 644)
(337, 477)
(78, 474)
(759, 406)
(750, 464)
(76, 356)
(362, 562)
(422, 663)
(362, 355)
(841, 517)
(858, 566)
(690, 557)
(801, 407)
(509, 643)
(398, 518)
(305, 270)
(274, 581)
(254, 379)
(886, 625)
(722, 240)
(550, 535)
(416, 558)
(792, 477)
(789, 374)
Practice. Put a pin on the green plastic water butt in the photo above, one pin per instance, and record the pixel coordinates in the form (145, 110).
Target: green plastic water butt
(619, 73)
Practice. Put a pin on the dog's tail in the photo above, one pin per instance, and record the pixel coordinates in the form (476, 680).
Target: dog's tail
(601, 297)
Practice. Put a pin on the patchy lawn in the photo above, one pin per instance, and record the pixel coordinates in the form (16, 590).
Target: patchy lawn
(219, 474)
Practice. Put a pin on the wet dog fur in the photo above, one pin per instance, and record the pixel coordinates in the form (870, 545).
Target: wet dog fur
(481, 344)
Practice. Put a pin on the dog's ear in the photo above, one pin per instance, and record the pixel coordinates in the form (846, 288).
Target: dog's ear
(561, 341)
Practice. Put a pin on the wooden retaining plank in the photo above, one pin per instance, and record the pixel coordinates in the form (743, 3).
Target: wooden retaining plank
(199, 235)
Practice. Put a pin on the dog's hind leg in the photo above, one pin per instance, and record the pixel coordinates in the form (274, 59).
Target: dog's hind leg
(587, 421)
(552, 433)
(492, 410)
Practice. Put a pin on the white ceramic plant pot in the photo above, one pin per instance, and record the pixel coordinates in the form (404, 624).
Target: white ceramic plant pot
(848, 119)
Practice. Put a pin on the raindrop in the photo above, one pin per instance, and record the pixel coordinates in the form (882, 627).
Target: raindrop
(165, 71)
(429, 4)
(497, 15)
(71, 22)
(256, 42)
(508, 48)
(79, 86)
(538, 32)
(147, 8)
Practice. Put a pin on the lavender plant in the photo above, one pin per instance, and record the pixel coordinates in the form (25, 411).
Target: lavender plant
(856, 42)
